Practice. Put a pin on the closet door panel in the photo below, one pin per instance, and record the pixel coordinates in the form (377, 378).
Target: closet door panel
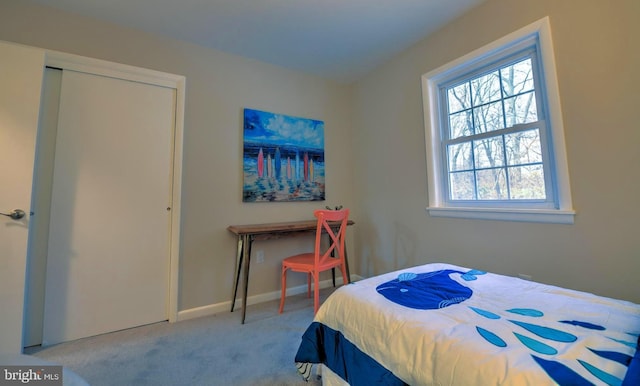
(108, 252)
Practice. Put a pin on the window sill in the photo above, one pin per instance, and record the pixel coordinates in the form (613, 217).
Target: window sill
(522, 215)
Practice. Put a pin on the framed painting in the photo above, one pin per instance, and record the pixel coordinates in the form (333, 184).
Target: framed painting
(283, 158)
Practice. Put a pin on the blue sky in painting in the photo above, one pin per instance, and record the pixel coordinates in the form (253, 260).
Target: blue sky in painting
(278, 129)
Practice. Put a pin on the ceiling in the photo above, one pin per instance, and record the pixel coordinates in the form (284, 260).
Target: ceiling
(335, 39)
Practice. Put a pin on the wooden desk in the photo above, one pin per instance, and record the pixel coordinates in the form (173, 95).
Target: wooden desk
(247, 234)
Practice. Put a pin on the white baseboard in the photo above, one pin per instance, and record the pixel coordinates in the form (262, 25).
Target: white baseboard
(217, 308)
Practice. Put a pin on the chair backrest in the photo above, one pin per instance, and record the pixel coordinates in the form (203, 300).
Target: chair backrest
(334, 224)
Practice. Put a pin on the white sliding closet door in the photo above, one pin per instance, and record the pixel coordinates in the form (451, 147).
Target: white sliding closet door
(108, 258)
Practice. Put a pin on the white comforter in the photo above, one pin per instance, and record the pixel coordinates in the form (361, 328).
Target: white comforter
(491, 337)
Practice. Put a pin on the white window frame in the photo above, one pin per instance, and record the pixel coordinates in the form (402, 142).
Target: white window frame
(439, 206)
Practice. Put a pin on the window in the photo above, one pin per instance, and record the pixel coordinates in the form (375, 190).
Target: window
(495, 141)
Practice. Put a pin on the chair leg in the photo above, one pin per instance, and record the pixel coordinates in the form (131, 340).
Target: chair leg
(283, 294)
(345, 276)
(316, 292)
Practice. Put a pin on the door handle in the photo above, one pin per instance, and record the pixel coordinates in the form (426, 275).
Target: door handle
(15, 214)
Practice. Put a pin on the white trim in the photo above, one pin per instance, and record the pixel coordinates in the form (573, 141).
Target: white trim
(218, 308)
(178, 83)
(432, 128)
(110, 69)
(555, 116)
(437, 204)
(525, 215)
(176, 212)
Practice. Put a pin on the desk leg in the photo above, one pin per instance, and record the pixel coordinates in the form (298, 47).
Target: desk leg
(239, 255)
(247, 262)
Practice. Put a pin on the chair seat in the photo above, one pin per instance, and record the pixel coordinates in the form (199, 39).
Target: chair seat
(304, 263)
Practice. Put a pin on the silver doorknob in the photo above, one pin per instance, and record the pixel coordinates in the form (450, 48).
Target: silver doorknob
(15, 214)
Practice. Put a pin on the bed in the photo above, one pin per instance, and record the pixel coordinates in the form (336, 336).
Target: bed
(441, 324)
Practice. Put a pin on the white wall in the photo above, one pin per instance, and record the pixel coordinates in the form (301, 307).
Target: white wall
(218, 87)
(596, 46)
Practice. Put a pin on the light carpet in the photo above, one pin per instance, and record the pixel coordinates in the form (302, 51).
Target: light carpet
(211, 350)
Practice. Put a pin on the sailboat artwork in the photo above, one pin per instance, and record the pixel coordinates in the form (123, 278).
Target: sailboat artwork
(283, 158)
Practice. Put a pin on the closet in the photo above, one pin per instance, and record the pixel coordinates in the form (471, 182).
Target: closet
(103, 243)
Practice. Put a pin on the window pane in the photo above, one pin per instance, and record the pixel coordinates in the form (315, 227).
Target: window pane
(517, 78)
(492, 184)
(488, 117)
(521, 109)
(527, 182)
(523, 147)
(460, 124)
(462, 186)
(459, 98)
(460, 156)
(488, 152)
(486, 89)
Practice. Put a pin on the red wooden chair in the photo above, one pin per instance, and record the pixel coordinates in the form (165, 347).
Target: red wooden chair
(333, 223)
